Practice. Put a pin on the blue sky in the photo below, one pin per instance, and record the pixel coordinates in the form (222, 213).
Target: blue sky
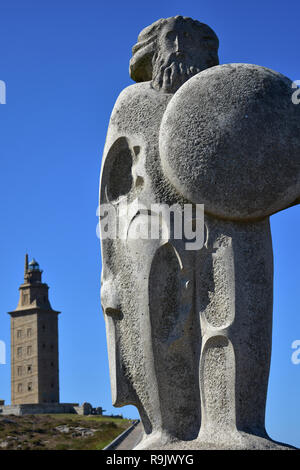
(64, 63)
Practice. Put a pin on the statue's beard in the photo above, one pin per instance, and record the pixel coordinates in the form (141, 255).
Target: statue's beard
(170, 73)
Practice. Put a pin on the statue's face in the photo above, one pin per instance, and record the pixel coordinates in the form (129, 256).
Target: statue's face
(183, 50)
(188, 44)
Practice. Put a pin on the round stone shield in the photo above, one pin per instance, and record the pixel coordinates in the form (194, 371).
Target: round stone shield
(230, 139)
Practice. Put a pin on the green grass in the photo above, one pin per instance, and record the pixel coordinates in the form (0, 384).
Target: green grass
(37, 432)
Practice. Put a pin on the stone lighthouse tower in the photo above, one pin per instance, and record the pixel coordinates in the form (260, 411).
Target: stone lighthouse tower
(34, 342)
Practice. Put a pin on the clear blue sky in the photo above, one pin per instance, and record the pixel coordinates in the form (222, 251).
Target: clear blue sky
(64, 63)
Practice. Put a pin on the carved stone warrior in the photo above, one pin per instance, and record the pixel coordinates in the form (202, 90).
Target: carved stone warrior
(189, 331)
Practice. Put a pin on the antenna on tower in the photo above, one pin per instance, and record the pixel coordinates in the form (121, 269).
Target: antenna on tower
(26, 265)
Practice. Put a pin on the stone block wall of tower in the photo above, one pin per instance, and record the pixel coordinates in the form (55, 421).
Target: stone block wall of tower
(48, 358)
(24, 358)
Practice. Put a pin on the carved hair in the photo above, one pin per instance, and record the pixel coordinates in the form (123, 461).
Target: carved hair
(140, 67)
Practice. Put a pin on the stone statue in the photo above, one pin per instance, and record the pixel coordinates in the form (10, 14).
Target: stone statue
(189, 331)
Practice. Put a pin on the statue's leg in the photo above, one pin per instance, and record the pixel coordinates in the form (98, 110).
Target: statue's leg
(173, 333)
(234, 275)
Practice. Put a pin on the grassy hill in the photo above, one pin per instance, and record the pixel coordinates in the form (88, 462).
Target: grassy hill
(59, 432)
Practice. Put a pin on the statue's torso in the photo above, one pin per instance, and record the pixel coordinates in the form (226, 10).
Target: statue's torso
(136, 116)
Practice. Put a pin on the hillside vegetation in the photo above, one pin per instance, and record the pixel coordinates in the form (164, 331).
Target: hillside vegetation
(59, 432)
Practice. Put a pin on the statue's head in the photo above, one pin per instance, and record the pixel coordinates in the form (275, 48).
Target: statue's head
(172, 50)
